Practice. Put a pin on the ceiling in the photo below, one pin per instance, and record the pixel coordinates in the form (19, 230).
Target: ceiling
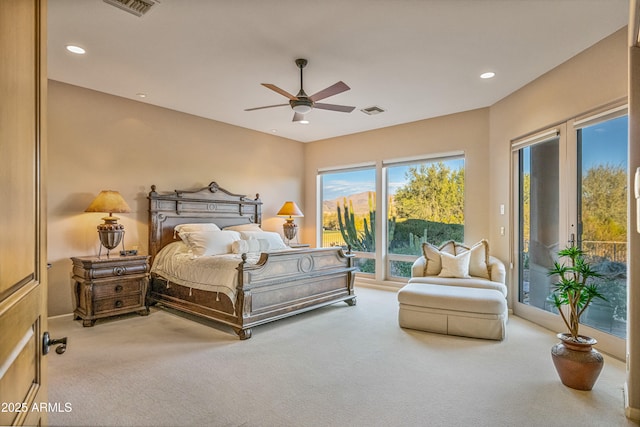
(415, 59)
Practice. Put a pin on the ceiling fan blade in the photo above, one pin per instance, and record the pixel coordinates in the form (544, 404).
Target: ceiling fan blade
(280, 91)
(330, 91)
(267, 106)
(297, 117)
(333, 107)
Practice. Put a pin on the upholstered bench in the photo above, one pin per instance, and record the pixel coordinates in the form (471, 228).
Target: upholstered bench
(453, 310)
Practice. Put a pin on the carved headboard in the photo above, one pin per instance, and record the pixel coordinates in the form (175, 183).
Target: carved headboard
(209, 204)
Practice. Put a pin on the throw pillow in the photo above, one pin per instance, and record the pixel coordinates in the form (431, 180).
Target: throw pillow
(432, 255)
(479, 261)
(190, 228)
(274, 239)
(202, 243)
(250, 246)
(455, 265)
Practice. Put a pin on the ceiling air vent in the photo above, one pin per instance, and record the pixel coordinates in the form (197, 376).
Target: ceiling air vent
(372, 110)
(136, 7)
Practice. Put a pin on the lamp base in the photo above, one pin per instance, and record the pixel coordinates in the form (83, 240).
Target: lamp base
(290, 229)
(111, 234)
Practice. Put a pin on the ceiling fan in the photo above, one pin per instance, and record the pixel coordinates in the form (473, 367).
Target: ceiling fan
(302, 103)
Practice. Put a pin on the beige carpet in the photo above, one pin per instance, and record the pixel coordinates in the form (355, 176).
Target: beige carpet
(336, 366)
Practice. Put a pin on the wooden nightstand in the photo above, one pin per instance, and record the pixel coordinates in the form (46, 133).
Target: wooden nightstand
(107, 287)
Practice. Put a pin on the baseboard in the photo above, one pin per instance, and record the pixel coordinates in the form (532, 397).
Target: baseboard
(374, 284)
(632, 413)
(61, 316)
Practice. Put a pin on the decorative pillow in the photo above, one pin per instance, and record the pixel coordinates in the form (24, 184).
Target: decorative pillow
(250, 246)
(479, 261)
(188, 228)
(203, 243)
(244, 227)
(274, 239)
(432, 254)
(455, 265)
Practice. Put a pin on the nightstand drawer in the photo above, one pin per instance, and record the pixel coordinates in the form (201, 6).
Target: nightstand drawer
(114, 269)
(110, 304)
(117, 288)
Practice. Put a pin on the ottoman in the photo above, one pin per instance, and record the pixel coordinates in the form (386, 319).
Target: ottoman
(453, 310)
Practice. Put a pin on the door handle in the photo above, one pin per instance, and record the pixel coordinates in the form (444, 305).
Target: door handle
(48, 342)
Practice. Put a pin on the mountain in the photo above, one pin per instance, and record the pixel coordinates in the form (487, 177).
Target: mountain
(360, 203)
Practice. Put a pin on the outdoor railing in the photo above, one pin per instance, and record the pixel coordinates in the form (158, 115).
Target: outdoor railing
(610, 250)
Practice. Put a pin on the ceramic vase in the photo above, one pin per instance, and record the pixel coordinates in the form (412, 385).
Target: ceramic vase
(578, 364)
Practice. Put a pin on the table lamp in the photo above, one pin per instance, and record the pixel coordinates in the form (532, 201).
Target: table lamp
(110, 232)
(290, 210)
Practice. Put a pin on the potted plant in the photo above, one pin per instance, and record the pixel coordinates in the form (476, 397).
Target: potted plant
(578, 364)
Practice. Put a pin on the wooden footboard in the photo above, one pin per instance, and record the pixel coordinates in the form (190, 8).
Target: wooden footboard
(283, 284)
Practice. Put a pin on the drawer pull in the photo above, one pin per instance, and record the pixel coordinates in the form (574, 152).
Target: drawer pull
(119, 271)
(118, 304)
(119, 288)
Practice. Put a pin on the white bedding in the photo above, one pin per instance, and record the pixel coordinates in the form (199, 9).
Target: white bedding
(215, 273)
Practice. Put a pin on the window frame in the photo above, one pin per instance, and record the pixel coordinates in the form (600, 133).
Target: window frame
(408, 161)
(381, 255)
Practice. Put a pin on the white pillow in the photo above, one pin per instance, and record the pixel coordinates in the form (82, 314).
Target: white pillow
(244, 227)
(274, 239)
(196, 227)
(250, 246)
(203, 243)
(455, 265)
(188, 228)
(432, 254)
(479, 261)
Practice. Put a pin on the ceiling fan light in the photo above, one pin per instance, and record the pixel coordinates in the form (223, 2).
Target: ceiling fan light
(302, 108)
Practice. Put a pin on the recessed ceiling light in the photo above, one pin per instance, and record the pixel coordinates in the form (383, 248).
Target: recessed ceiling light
(141, 95)
(487, 75)
(76, 49)
(274, 130)
(304, 122)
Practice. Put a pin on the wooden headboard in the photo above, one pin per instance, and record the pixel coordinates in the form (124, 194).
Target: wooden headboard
(209, 204)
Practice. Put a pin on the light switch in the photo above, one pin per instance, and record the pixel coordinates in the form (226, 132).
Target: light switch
(502, 231)
(502, 209)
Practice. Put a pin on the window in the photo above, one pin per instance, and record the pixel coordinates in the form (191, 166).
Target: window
(349, 213)
(423, 202)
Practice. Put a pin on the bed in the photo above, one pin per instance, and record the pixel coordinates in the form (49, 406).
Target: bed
(266, 285)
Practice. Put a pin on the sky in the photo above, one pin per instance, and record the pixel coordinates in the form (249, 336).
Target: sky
(606, 143)
(346, 183)
(603, 143)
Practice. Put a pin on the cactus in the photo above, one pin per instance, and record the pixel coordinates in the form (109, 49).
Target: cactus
(363, 241)
(415, 241)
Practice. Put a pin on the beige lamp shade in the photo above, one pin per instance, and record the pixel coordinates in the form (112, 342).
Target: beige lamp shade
(109, 201)
(110, 232)
(290, 209)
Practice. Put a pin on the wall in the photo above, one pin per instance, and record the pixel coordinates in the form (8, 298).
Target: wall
(99, 142)
(467, 131)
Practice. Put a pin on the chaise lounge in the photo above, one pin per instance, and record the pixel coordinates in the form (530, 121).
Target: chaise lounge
(456, 290)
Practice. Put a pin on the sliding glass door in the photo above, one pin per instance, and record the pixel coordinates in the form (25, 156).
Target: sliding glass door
(602, 218)
(571, 189)
(539, 202)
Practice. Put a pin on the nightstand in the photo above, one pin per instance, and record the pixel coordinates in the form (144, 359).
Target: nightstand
(105, 287)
